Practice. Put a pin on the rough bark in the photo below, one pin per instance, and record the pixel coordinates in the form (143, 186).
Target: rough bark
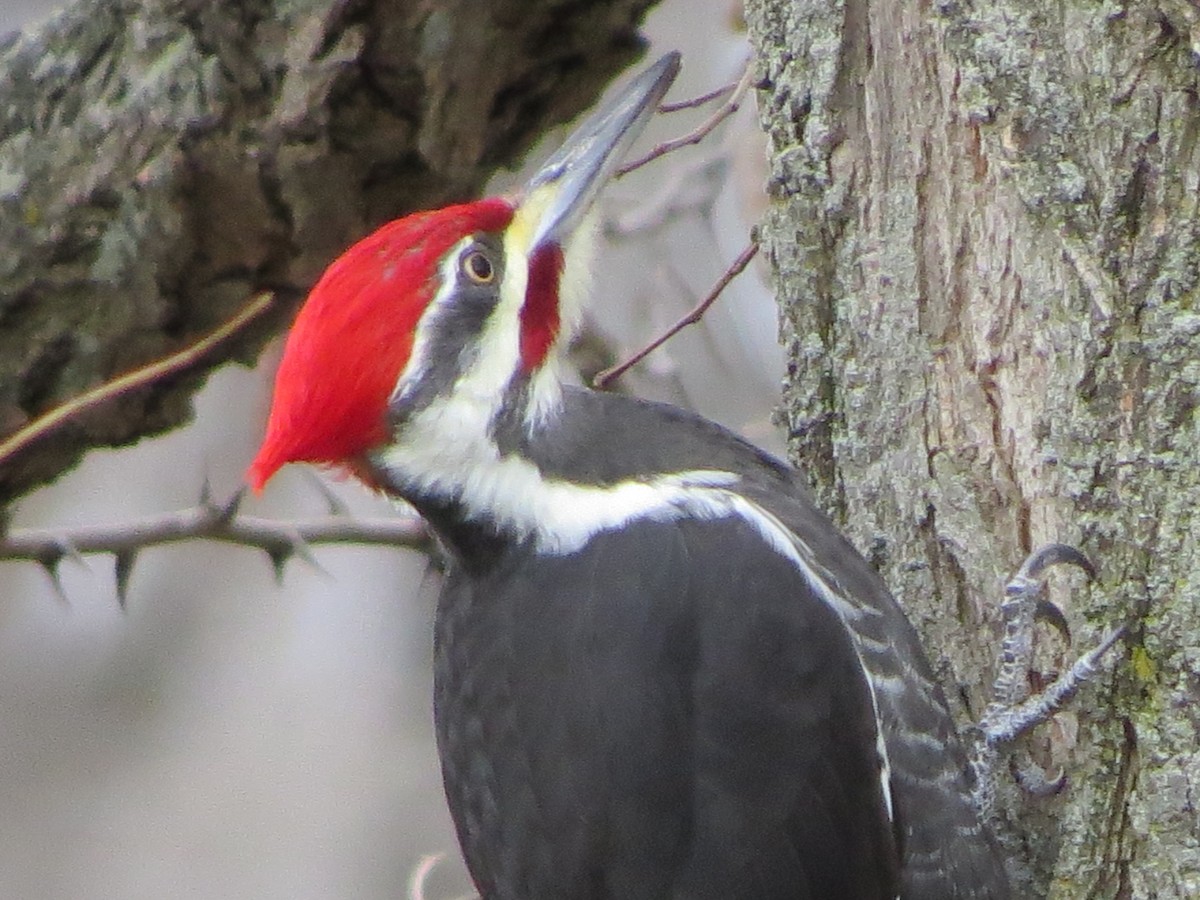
(162, 161)
(984, 232)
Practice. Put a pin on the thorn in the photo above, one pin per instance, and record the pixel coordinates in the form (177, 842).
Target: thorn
(206, 496)
(279, 555)
(226, 512)
(303, 549)
(336, 505)
(124, 570)
(67, 550)
(50, 565)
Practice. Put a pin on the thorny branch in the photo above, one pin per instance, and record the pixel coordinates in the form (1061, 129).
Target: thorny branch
(605, 378)
(280, 540)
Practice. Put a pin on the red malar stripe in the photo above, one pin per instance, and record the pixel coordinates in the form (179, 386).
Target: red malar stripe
(539, 314)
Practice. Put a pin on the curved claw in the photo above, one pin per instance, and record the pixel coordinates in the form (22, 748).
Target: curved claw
(1027, 582)
(1053, 555)
(1036, 781)
(1052, 614)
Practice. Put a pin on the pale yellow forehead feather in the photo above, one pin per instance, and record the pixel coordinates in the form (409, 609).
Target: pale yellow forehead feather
(530, 211)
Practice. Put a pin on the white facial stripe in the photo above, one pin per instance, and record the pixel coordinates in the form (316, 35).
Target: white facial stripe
(418, 359)
(500, 340)
(479, 392)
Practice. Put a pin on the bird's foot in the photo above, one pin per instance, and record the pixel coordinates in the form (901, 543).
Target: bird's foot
(1014, 709)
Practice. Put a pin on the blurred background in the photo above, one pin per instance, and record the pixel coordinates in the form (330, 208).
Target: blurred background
(228, 736)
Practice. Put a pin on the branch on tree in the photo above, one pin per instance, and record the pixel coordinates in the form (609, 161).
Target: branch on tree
(140, 377)
(704, 129)
(605, 378)
(695, 102)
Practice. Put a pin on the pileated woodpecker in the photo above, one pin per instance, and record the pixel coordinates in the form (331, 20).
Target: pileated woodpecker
(661, 672)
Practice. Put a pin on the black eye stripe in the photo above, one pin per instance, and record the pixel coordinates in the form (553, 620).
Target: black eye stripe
(452, 327)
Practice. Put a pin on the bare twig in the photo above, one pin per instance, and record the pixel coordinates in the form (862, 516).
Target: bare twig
(695, 136)
(139, 377)
(698, 101)
(605, 378)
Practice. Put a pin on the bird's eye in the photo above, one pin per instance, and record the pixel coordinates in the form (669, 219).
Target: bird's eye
(478, 267)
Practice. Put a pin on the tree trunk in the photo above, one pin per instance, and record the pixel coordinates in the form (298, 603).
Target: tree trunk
(984, 233)
(163, 160)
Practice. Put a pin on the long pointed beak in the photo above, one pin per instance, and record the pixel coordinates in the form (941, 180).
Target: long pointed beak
(563, 189)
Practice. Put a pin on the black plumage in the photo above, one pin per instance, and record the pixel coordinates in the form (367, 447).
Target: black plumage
(635, 720)
(670, 711)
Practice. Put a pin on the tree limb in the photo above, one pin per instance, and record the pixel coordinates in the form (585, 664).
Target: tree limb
(189, 356)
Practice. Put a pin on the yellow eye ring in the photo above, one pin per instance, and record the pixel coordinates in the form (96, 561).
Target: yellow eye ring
(478, 267)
